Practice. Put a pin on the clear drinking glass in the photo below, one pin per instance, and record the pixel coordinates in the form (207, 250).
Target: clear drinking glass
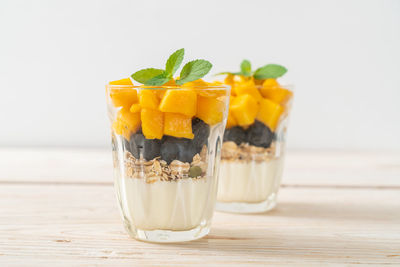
(166, 163)
(250, 174)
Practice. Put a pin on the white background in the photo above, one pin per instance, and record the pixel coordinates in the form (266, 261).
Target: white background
(342, 56)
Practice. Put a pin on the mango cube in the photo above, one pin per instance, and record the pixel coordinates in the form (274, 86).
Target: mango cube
(125, 81)
(182, 101)
(248, 87)
(178, 125)
(126, 123)
(244, 108)
(123, 97)
(148, 99)
(210, 109)
(269, 113)
(278, 95)
(152, 123)
(135, 108)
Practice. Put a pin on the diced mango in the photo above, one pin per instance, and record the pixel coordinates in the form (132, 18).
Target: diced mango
(244, 108)
(231, 121)
(123, 97)
(182, 101)
(135, 108)
(178, 125)
(278, 95)
(125, 81)
(269, 113)
(148, 99)
(210, 110)
(126, 123)
(152, 123)
(198, 82)
(248, 87)
(270, 83)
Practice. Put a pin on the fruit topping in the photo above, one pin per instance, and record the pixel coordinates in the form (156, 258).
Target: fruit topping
(182, 101)
(178, 125)
(123, 97)
(180, 149)
(148, 99)
(248, 87)
(135, 108)
(210, 109)
(125, 81)
(278, 95)
(149, 148)
(244, 108)
(126, 123)
(201, 131)
(269, 113)
(235, 134)
(152, 123)
(259, 135)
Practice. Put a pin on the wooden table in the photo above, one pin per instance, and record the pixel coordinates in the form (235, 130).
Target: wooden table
(57, 207)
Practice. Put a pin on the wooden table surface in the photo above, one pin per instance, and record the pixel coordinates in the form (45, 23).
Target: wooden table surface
(57, 207)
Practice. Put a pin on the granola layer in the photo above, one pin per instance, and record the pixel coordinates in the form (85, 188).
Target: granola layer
(246, 152)
(159, 170)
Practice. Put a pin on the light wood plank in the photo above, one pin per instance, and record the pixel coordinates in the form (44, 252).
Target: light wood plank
(326, 168)
(79, 225)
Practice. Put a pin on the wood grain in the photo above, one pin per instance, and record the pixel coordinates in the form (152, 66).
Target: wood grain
(52, 218)
(314, 168)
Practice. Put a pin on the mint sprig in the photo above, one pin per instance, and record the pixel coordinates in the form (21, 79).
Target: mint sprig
(269, 71)
(192, 71)
(245, 68)
(265, 72)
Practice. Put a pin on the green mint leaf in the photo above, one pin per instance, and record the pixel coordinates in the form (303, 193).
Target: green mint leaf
(174, 61)
(229, 73)
(142, 76)
(245, 68)
(269, 71)
(158, 80)
(194, 70)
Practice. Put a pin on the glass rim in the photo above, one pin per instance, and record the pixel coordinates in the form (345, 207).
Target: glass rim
(161, 87)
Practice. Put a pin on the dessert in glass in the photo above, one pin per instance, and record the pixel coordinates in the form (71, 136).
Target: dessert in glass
(253, 148)
(166, 139)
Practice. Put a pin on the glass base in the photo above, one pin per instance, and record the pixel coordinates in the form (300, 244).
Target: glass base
(245, 207)
(168, 236)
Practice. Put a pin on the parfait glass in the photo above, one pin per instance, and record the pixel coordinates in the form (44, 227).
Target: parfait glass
(166, 143)
(253, 149)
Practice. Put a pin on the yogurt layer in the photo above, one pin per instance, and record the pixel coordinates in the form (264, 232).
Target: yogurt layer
(250, 182)
(167, 205)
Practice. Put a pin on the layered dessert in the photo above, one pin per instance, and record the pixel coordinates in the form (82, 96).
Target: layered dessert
(166, 149)
(253, 145)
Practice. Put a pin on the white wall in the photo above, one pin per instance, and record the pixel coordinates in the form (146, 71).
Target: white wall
(343, 57)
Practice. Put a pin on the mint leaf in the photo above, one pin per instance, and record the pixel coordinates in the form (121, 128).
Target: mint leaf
(269, 71)
(174, 61)
(142, 76)
(194, 70)
(158, 80)
(245, 68)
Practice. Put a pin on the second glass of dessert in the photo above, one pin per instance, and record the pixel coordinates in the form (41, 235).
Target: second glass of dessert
(166, 137)
(254, 141)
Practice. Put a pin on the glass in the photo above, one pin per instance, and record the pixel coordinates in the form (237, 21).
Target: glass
(166, 163)
(252, 167)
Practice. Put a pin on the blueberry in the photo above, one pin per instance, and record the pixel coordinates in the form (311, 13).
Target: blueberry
(181, 149)
(149, 148)
(235, 134)
(258, 134)
(187, 150)
(169, 149)
(201, 131)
